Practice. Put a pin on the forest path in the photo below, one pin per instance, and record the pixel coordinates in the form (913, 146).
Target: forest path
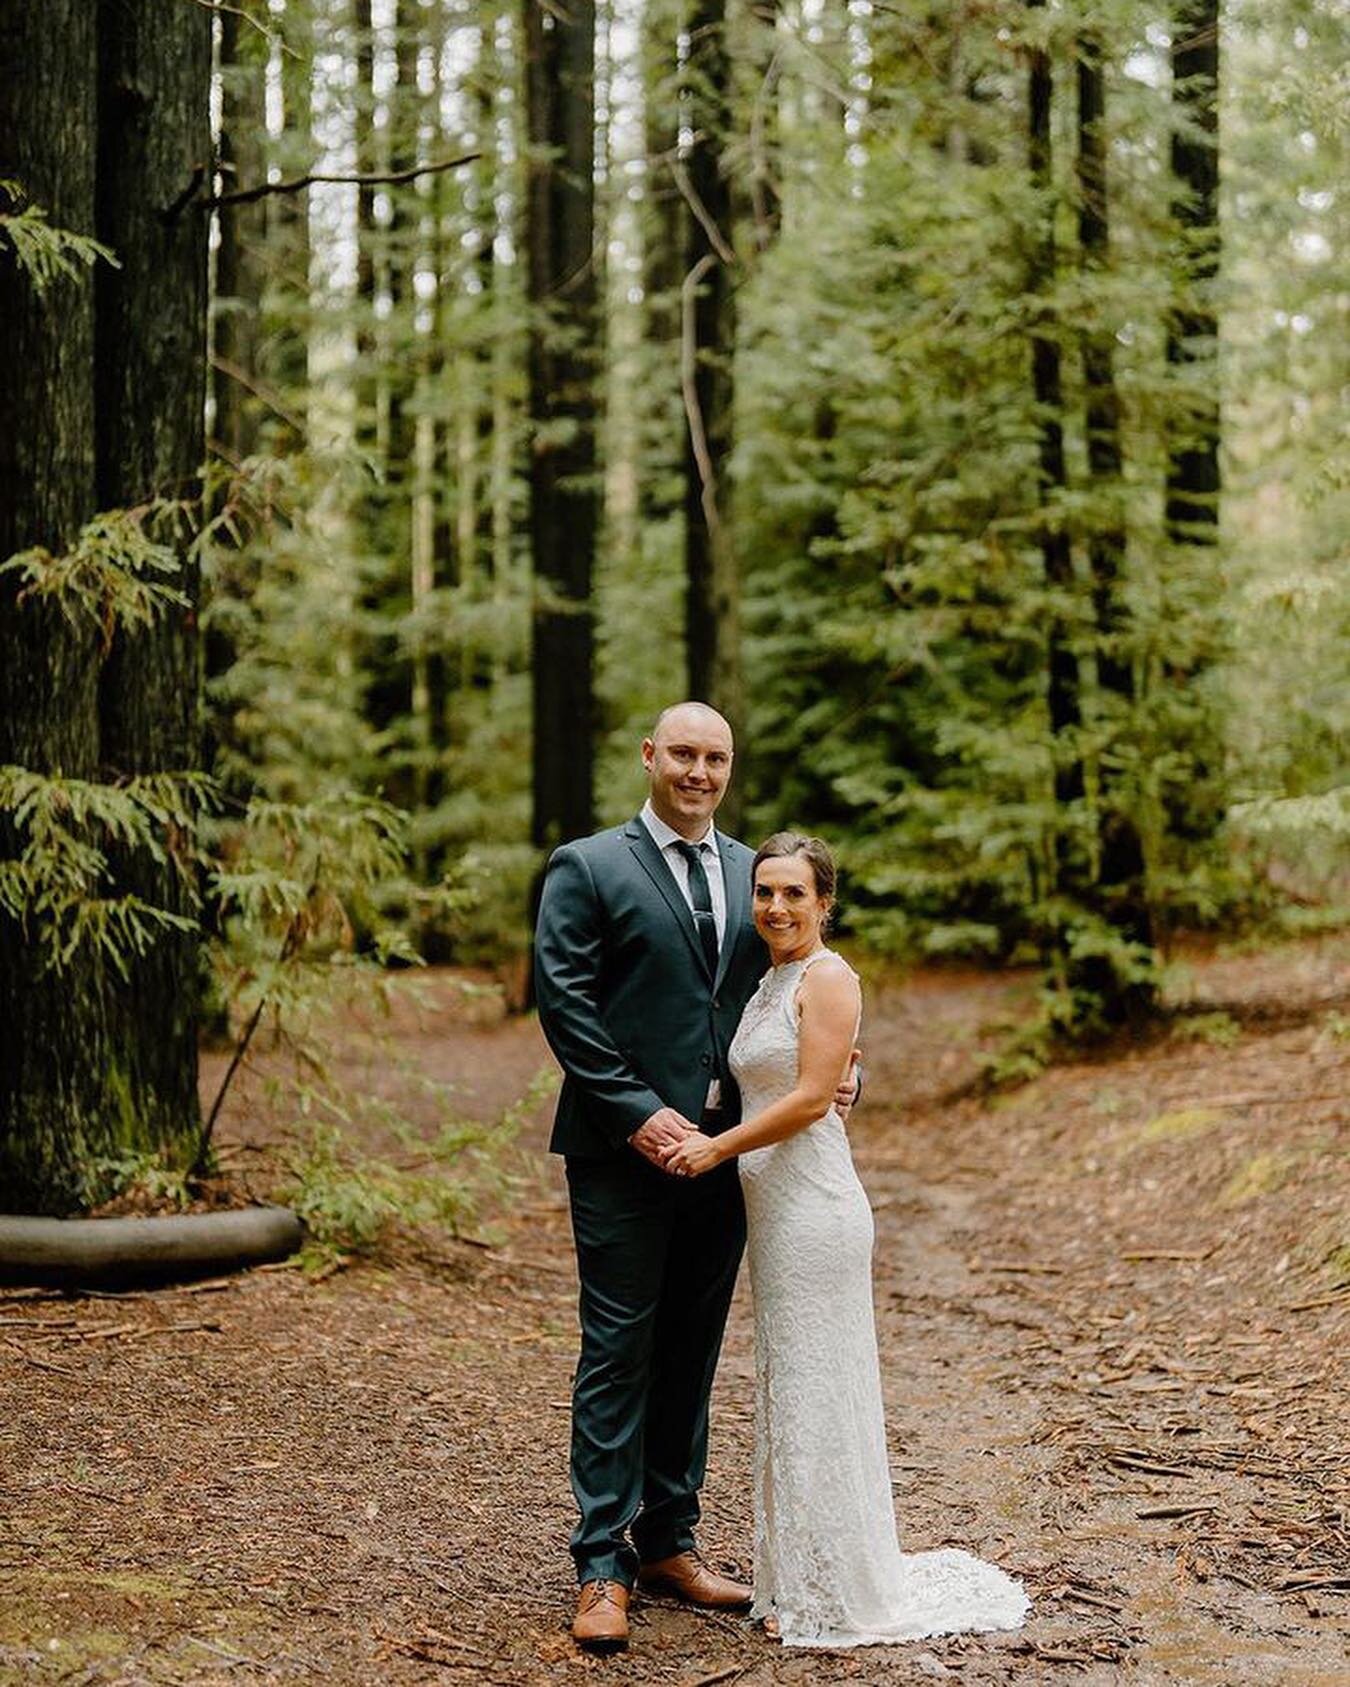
(1114, 1353)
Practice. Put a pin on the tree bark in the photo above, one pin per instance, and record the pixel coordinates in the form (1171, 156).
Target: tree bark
(53, 1047)
(660, 460)
(1047, 385)
(241, 256)
(150, 376)
(564, 493)
(103, 409)
(1120, 892)
(1195, 801)
(712, 603)
(289, 305)
(1193, 479)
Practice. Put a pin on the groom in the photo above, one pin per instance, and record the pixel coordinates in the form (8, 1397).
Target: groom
(645, 956)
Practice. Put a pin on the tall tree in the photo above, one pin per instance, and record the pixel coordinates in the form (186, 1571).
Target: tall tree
(1193, 330)
(1194, 801)
(110, 378)
(1120, 889)
(150, 375)
(1063, 681)
(287, 321)
(712, 605)
(54, 1057)
(564, 494)
(241, 255)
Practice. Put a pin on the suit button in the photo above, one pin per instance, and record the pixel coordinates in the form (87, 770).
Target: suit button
(705, 1060)
(716, 1003)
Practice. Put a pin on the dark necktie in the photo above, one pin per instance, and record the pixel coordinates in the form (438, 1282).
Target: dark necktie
(701, 897)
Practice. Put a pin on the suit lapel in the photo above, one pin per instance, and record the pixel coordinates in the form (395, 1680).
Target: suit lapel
(736, 887)
(643, 846)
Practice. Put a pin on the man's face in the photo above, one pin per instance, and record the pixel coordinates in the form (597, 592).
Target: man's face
(688, 764)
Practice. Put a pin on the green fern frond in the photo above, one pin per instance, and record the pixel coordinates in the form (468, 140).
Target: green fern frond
(42, 252)
(119, 573)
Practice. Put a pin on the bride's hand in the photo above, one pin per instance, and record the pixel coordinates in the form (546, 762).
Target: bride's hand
(696, 1154)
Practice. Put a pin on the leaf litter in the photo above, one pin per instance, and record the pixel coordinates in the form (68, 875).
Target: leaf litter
(1102, 1370)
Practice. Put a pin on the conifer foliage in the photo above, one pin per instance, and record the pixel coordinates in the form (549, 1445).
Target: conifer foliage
(949, 393)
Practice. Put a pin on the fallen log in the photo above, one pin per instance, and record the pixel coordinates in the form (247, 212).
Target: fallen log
(75, 1253)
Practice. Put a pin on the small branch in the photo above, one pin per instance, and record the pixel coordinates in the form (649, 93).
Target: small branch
(171, 213)
(698, 433)
(264, 394)
(277, 40)
(247, 195)
(289, 944)
(700, 210)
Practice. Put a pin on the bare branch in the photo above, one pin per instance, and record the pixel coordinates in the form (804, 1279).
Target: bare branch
(247, 195)
(698, 433)
(700, 210)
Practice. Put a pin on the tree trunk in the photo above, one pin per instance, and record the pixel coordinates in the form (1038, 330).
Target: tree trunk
(103, 408)
(564, 494)
(54, 1111)
(712, 604)
(1120, 890)
(662, 426)
(293, 151)
(385, 678)
(154, 105)
(241, 255)
(1195, 800)
(1192, 512)
(241, 264)
(766, 171)
(1047, 385)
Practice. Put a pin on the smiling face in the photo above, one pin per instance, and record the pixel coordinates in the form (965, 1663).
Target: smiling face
(688, 763)
(790, 912)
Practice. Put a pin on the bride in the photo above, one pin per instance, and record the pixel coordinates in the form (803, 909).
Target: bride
(828, 1566)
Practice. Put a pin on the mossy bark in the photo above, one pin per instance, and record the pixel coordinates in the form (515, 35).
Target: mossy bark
(53, 1049)
(101, 408)
(150, 385)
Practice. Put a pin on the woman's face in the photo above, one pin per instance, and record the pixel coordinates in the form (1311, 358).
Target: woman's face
(789, 912)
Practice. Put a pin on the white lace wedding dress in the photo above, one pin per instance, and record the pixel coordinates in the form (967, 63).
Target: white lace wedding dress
(828, 1565)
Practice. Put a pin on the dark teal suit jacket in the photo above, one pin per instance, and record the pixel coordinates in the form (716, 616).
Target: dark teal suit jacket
(626, 998)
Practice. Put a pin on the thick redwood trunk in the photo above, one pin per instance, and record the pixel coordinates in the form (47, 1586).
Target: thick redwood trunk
(53, 1099)
(150, 370)
(103, 408)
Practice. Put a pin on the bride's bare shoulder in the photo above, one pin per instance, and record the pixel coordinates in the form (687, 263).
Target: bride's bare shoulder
(830, 978)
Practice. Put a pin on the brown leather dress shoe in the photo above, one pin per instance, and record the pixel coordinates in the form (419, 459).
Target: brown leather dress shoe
(601, 1622)
(687, 1577)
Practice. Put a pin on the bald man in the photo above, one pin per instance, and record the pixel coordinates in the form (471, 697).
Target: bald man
(645, 956)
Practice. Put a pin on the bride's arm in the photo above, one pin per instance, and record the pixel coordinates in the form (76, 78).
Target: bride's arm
(829, 1001)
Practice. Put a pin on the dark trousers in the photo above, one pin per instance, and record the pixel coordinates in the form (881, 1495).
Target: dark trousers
(657, 1257)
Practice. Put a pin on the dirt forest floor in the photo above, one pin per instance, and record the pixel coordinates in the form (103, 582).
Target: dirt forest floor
(1114, 1312)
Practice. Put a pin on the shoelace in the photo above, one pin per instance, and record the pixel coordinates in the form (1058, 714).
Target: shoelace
(602, 1594)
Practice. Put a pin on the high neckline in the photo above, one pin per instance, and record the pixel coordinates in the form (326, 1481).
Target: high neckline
(801, 960)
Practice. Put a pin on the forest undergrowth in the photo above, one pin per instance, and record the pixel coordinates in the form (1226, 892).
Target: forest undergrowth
(1113, 1306)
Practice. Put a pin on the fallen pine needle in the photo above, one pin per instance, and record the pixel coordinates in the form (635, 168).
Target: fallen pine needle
(1188, 1254)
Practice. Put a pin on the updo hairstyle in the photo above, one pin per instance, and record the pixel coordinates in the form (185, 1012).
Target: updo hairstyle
(816, 851)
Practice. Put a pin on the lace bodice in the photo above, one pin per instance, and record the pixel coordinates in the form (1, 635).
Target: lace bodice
(828, 1565)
